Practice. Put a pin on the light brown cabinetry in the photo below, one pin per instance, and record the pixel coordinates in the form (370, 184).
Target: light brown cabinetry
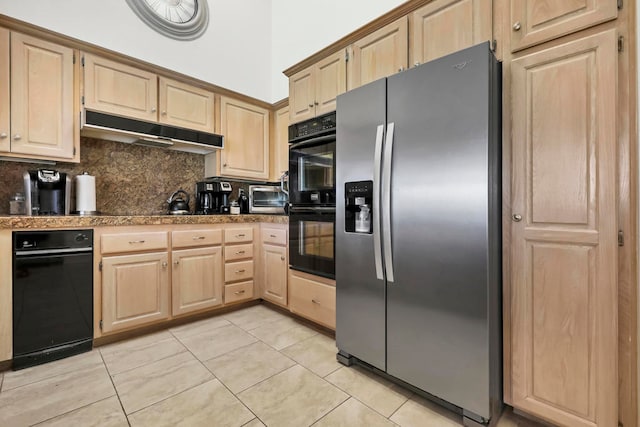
(239, 263)
(313, 91)
(186, 106)
(274, 263)
(42, 123)
(313, 297)
(115, 88)
(197, 274)
(465, 23)
(279, 155)
(246, 139)
(563, 304)
(135, 290)
(536, 21)
(380, 54)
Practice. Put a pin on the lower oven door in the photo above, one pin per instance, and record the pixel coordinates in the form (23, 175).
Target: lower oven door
(311, 240)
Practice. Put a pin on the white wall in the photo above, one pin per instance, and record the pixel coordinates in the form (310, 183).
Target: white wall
(235, 51)
(301, 28)
(246, 47)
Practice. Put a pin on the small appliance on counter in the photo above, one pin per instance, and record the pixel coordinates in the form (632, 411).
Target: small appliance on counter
(85, 194)
(213, 197)
(269, 199)
(178, 205)
(47, 192)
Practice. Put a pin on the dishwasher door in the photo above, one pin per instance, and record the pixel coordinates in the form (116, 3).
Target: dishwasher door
(52, 305)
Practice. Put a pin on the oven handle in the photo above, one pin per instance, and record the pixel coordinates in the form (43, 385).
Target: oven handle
(52, 251)
(319, 209)
(314, 141)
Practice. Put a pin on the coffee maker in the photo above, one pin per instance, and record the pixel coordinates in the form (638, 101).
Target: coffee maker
(47, 192)
(212, 197)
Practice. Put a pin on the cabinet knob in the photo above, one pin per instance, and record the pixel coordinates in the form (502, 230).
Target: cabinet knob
(282, 257)
(310, 105)
(315, 302)
(17, 137)
(164, 113)
(3, 135)
(164, 264)
(176, 262)
(224, 165)
(517, 26)
(153, 109)
(416, 64)
(517, 217)
(315, 102)
(401, 69)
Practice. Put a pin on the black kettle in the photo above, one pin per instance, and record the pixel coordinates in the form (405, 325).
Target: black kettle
(177, 204)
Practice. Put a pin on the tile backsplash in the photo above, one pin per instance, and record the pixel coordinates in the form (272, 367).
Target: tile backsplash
(130, 179)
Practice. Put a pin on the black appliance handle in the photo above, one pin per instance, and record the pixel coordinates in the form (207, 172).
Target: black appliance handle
(314, 141)
(313, 210)
(52, 251)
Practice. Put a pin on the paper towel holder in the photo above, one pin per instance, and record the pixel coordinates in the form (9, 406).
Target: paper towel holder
(79, 211)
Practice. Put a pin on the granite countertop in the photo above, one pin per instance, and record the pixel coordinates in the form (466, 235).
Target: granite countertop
(40, 222)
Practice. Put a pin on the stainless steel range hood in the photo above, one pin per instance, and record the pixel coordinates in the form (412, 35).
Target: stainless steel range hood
(132, 131)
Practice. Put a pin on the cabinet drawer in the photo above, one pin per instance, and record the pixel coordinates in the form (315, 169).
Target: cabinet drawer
(188, 238)
(238, 235)
(133, 242)
(274, 236)
(236, 252)
(238, 292)
(238, 271)
(313, 300)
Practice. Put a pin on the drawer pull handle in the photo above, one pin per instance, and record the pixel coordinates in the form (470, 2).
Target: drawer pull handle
(239, 292)
(198, 237)
(315, 302)
(136, 241)
(239, 235)
(239, 252)
(273, 236)
(240, 271)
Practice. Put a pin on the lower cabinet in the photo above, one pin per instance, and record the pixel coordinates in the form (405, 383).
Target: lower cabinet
(196, 279)
(274, 261)
(239, 263)
(135, 290)
(313, 297)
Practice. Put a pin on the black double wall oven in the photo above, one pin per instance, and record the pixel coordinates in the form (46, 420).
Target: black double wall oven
(312, 195)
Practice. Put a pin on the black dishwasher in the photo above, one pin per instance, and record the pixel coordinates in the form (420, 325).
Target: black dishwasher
(52, 295)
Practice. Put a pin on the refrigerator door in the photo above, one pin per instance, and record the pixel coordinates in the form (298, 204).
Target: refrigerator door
(360, 286)
(437, 305)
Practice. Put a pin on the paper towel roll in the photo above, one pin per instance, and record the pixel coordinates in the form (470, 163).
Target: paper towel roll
(85, 193)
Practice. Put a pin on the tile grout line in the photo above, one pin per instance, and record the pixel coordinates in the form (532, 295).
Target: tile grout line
(115, 389)
(73, 410)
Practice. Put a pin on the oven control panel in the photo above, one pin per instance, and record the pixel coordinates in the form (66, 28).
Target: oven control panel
(312, 127)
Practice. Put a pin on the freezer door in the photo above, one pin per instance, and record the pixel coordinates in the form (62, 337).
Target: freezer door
(437, 305)
(360, 289)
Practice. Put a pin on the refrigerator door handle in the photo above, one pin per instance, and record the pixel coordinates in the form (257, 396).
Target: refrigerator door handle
(377, 245)
(386, 203)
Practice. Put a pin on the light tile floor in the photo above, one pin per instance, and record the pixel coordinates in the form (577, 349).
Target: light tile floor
(252, 367)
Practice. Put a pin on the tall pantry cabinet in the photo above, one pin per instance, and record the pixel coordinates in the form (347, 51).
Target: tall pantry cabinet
(561, 226)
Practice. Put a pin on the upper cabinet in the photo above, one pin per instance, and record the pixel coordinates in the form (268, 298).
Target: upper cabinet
(380, 54)
(246, 139)
(279, 144)
(186, 106)
(42, 123)
(465, 23)
(116, 88)
(313, 91)
(536, 21)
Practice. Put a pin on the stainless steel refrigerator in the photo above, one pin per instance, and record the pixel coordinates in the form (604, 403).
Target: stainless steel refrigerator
(418, 229)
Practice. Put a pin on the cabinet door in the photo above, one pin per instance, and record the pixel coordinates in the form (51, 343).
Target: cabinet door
(301, 95)
(280, 144)
(564, 236)
(330, 81)
(536, 21)
(5, 144)
(119, 89)
(378, 55)
(246, 139)
(135, 290)
(42, 108)
(186, 106)
(197, 279)
(274, 261)
(465, 22)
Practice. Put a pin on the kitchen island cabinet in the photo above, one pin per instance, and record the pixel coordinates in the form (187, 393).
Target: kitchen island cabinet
(40, 120)
(246, 139)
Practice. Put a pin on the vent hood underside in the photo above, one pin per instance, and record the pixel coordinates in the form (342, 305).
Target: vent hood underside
(132, 131)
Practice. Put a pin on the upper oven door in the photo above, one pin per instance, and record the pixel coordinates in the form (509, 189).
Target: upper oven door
(311, 240)
(312, 171)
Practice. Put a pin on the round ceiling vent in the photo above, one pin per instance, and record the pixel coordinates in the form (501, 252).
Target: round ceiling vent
(178, 19)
